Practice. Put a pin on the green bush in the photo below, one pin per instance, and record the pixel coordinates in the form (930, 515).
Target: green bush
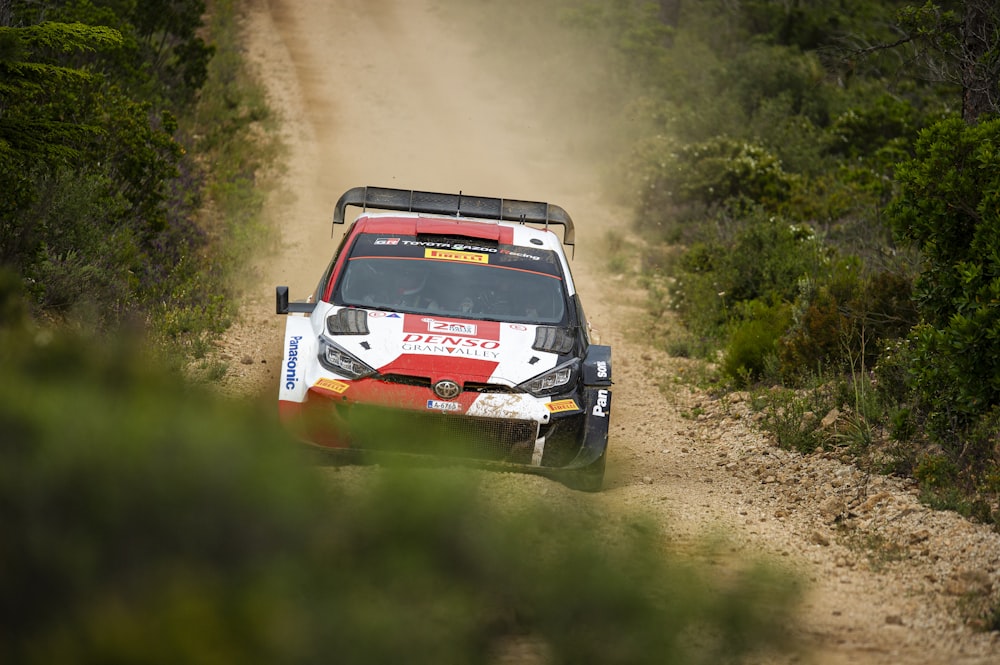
(764, 261)
(817, 338)
(862, 131)
(753, 343)
(145, 521)
(962, 482)
(843, 204)
(766, 72)
(843, 323)
(949, 207)
(712, 173)
(936, 472)
(84, 266)
(793, 417)
(794, 139)
(769, 256)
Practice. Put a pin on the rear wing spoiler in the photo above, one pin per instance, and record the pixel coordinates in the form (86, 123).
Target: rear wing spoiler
(457, 205)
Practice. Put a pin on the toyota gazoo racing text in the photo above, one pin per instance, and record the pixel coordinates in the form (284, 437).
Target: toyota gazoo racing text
(459, 315)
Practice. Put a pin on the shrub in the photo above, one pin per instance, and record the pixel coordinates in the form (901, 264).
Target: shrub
(863, 131)
(763, 261)
(769, 256)
(85, 257)
(753, 342)
(843, 323)
(793, 418)
(712, 173)
(815, 341)
(145, 521)
(936, 471)
(843, 203)
(949, 207)
(765, 72)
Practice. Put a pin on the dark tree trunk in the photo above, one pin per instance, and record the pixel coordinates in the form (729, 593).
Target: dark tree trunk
(6, 13)
(981, 60)
(669, 15)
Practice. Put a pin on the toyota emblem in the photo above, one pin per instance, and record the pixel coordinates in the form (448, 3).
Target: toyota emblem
(447, 389)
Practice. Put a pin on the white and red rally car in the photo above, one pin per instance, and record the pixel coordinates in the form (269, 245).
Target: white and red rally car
(458, 314)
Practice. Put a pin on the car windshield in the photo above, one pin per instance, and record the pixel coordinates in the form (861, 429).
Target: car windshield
(501, 284)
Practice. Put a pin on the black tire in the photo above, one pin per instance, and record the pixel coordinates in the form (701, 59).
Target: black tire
(588, 479)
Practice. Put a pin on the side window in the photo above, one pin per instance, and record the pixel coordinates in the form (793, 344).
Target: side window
(584, 324)
(325, 279)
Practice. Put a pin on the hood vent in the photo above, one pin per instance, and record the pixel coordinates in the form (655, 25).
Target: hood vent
(348, 322)
(554, 340)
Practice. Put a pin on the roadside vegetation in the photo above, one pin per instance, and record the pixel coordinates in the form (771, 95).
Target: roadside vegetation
(815, 194)
(147, 520)
(815, 188)
(130, 156)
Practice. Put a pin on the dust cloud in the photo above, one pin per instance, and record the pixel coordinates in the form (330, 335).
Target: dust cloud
(487, 98)
(494, 99)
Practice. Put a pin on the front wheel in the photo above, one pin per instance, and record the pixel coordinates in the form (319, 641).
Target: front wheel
(589, 478)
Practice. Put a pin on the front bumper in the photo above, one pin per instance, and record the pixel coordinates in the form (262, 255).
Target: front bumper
(509, 430)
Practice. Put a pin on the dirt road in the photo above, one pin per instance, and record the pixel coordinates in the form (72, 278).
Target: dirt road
(396, 93)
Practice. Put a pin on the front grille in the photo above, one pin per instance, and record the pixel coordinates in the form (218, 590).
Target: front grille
(406, 380)
(493, 439)
(487, 388)
(424, 382)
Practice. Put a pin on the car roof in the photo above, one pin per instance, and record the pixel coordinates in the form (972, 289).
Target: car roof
(412, 224)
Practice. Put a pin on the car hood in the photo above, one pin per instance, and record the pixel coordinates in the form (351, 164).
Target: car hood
(433, 347)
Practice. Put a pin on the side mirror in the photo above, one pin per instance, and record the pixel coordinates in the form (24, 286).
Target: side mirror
(282, 306)
(281, 299)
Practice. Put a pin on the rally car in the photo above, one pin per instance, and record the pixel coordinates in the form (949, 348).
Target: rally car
(456, 316)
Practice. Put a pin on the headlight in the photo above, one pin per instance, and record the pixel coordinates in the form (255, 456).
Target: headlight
(337, 360)
(552, 381)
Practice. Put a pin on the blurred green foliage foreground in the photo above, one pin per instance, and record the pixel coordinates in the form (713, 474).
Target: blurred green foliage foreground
(142, 521)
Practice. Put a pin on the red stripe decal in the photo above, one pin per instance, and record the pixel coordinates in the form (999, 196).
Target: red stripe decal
(437, 367)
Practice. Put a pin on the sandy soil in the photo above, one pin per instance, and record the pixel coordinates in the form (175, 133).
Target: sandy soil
(394, 93)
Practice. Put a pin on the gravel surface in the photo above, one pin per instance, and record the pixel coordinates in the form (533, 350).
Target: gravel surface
(365, 94)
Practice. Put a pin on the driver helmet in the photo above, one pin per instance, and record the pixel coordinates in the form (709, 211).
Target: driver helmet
(410, 280)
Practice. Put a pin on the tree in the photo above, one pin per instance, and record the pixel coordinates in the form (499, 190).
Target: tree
(168, 31)
(41, 124)
(85, 169)
(980, 64)
(670, 16)
(948, 207)
(959, 42)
